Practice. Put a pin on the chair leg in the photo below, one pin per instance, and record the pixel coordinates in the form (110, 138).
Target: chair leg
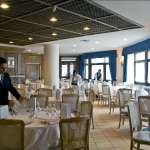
(138, 146)
(123, 120)
(131, 145)
(92, 121)
(119, 121)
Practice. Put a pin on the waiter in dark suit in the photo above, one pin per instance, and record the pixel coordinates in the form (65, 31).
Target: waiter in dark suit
(6, 85)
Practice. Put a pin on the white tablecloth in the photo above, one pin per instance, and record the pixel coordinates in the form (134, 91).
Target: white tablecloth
(40, 133)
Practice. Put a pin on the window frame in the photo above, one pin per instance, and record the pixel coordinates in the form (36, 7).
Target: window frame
(145, 61)
(90, 64)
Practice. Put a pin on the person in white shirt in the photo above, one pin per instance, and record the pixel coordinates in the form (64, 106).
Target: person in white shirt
(75, 78)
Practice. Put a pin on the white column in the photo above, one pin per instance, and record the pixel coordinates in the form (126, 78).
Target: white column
(51, 65)
(119, 65)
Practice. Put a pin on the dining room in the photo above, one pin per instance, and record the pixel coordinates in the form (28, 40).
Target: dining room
(74, 74)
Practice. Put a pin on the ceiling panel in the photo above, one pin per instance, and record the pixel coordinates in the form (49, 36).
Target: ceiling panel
(27, 18)
(44, 16)
(21, 7)
(19, 26)
(94, 27)
(84, 8)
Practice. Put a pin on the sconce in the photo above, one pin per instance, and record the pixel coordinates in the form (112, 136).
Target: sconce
(121, 60)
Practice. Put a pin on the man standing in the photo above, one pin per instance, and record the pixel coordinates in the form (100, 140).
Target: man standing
(98, 75)
(6, 85)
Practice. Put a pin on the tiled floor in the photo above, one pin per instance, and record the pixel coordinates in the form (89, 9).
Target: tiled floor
(106, 135)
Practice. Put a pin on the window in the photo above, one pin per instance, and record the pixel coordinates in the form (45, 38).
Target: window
(67, 65)
(149, 72)
(94, 64)
(64, 70)
(140, 72)
(130, 66)
(108, 75)
(11, 62)
(138, 68)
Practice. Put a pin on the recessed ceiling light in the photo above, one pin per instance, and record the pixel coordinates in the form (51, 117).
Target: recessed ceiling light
(96, 42)
(54, 34)
(125, 39)
(92, 48)
(30, 38)
(11, 42)
(74, 45)
(53, 19)
(4, 5)
(86, 28)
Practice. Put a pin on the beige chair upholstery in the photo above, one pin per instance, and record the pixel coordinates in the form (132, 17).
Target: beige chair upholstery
(86, 110)
(42, 101)
(71, 99)
(11, 134)
(144, 105)
(91, 96)
(106, 95)
(124, 96)
(137, 135)
(71, 90)
(45, 92)
(74, 133)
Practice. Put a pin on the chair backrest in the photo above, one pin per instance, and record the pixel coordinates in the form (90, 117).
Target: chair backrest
(124, 95)
(71, 90)
(91, 95)
(56, 104)
(42, 101)
(140, 92)
(144, 104)
(74, 133)
(134, 117)
(105, 89)
(71, 99)
(86, 109)
(45, 92)
(11, 134)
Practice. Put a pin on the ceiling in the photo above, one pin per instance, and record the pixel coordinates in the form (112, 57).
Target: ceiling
(30, 18)
(72, 18)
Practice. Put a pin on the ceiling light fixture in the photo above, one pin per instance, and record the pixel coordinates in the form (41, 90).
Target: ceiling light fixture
(30, 38)
(125, 39)
(54, 34)
(86, 28)
(96, 42)
(53, 19)
(74, 45)
(11, 42)
(4, 5)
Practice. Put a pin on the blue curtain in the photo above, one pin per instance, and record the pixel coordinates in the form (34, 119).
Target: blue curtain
(138, 47)
(112, 61)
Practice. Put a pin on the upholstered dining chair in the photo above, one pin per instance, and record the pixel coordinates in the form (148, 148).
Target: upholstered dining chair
(42, 101)
(11, 134)
(144, 106)
(74, 133)
(106, 95)
(86, 110)
(124, 96)
(72, 99)
(45, 92)
(138, 136)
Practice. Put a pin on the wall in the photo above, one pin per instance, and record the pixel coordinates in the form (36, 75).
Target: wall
(21, 60)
